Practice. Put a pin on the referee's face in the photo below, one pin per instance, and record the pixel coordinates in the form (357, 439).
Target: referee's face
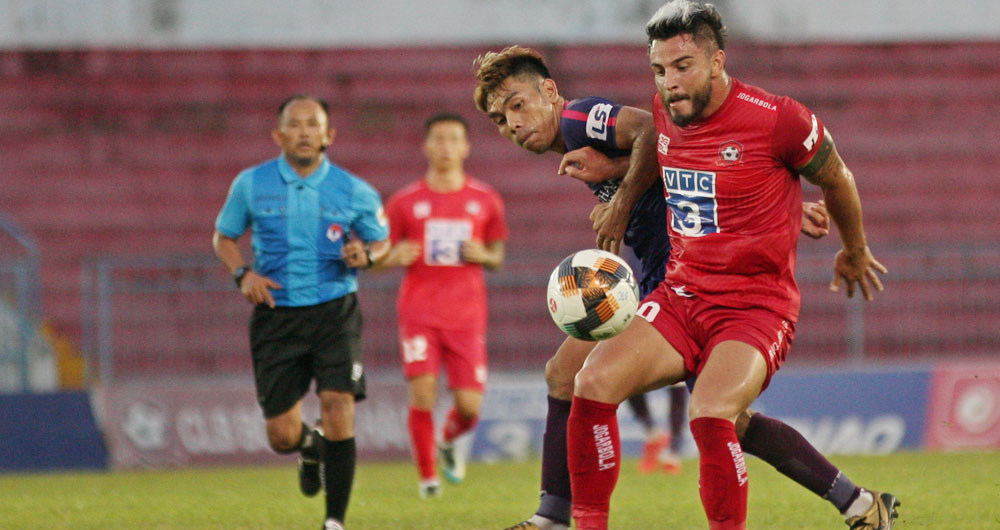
(303, 132)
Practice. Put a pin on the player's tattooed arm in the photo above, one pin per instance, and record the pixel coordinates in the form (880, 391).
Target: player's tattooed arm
(826, 170)
(854, 264)
(825, 164)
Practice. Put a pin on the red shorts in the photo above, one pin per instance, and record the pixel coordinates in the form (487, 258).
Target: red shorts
(695, 327)
(424, 348)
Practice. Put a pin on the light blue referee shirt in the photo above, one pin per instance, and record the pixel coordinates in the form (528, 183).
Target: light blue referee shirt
(299, 226)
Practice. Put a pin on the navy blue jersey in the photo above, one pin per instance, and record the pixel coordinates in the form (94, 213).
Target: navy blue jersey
(591, 122)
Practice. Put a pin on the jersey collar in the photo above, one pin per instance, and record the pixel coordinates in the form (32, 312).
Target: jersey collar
(313, 180)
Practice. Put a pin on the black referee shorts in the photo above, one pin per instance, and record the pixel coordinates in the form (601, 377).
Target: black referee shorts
(293, 345)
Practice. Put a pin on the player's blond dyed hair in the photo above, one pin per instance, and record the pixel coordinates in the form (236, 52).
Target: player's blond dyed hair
(493, 68)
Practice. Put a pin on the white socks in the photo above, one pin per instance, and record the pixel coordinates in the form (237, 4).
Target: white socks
(860, 505)
(546, 524)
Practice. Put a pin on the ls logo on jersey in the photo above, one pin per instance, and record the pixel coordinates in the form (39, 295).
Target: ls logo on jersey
(662, 144)
(730, 153)
(691, 198)
(598, 121)
(334, 232)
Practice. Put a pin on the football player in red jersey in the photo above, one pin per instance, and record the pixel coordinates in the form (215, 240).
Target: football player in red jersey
(445, 228)
(730, 157)
(517, 92)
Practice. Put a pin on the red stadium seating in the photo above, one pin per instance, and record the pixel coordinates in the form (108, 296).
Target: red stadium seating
(131, 152)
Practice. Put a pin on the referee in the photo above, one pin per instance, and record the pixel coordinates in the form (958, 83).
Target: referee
(313, 226)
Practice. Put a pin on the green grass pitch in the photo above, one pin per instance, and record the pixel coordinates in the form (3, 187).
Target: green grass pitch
(949, 490)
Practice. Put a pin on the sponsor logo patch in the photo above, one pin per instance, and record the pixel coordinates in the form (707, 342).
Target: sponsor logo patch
(662, 143)
(334, 232)
(597, 121)
(730, 153)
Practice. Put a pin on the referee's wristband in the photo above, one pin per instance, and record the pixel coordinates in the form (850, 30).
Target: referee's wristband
(238, 275)
(368, 254)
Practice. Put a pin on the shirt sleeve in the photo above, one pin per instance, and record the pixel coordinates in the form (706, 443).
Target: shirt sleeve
(590, 122)
(371, 223)
(234, 218)
(798, 133)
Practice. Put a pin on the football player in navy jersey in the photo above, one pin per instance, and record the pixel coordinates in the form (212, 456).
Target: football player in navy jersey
(612, 148)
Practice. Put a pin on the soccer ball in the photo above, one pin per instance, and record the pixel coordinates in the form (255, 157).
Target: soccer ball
(592, 295)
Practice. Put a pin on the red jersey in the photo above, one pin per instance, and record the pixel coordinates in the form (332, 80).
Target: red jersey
(440, 289)
(735, 199)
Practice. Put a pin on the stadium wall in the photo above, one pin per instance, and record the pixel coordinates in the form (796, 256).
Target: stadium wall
(49, 431)
(161, 423)
(191, 423)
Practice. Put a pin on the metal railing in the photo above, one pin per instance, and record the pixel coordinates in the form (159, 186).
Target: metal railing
(151, 316)
(19, 298)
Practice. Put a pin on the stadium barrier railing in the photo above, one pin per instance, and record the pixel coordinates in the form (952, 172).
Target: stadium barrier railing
(180, 316)
(19, 304)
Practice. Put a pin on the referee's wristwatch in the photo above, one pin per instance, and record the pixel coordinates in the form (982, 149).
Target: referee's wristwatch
(238, 275)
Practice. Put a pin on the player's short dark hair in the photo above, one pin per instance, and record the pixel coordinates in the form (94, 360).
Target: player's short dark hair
(304, 97)
(440, 117)
(683, 17)
(493, 68)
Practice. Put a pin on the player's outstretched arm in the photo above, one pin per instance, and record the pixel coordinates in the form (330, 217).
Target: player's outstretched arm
(854, 263)
(635, 132)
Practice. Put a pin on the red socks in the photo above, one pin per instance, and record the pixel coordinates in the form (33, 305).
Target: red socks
(421, 425)
(723, 474)
(594, 460)
(456, 425)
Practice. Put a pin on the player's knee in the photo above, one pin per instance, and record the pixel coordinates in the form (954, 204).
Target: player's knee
(591, 384)
(742, 422)
(559, 379)
(467, 411)
(336, 403)
(282, 438)
(714, 408)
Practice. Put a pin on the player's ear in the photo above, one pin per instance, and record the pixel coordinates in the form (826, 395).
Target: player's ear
(718, 63)
(550, 90)
(276, 136)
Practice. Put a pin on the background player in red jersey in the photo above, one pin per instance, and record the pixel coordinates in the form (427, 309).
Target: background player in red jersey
(517, 92)
(445, 229)
(730, 156)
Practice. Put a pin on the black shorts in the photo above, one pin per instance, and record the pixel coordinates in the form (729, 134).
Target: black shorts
(293, 345)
